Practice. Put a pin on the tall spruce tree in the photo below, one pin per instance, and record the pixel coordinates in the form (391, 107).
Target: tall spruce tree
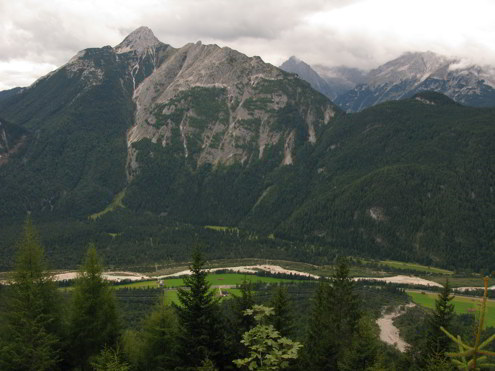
(281, 319)
(93, 322)
(333, 322)
(318, 350)
(437, 343)
(201, 336)
(344, 306)
(30, 337)
(245, 301)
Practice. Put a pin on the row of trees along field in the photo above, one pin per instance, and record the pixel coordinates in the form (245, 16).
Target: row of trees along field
(41, 328)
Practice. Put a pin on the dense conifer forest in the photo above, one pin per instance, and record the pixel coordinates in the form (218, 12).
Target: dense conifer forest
(308, 325)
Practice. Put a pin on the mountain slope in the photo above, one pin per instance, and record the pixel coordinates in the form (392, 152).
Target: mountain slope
(412, 179)
(128, 117)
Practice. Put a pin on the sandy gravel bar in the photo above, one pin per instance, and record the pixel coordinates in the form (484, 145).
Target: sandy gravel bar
(408, 280)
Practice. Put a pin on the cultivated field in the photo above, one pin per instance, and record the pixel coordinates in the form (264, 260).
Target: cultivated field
(462, 305)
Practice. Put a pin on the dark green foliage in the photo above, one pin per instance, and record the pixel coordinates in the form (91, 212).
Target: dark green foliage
(363, 353)
(281, 319)
(436, 342)
(243, 302)
(30, 330)
(237, 323)
(333, 322)
(423, 171)
(93, 321)
(12, 137)
(76, 161)
(155, 346)
(200, 332)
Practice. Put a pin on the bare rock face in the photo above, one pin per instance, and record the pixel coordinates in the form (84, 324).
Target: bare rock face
(139, 40)
(12, 138)
(218, 106)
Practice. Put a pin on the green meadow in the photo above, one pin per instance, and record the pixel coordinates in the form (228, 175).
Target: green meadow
(170, 296)
(462, 305)
(413, 266)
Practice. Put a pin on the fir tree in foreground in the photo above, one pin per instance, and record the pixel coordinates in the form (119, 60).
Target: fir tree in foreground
(437, 343)
(30, 337)
(473, 357)
(333, 322)
(282, 317)
(93, 322)
(200, 328)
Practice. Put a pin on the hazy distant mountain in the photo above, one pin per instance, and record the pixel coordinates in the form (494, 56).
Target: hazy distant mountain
(414, 72)
(341, 79)
(330, 81)
(305, 72)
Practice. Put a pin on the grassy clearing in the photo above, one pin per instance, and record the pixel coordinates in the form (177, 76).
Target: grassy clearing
(416, 267)
(170, 296)
(116, 203)
(462, 305)
(213, 279)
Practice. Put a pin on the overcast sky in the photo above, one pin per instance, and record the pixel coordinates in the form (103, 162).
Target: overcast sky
(38, 36)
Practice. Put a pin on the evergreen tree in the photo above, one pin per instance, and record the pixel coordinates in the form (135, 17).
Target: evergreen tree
(159, 339)
(333, 322)
(363, 354)
(30, 338)
(318, 348)
(200, 331)
(437, 343)
(343, 302)
(93, 322)
(282, 317)
(243, 302)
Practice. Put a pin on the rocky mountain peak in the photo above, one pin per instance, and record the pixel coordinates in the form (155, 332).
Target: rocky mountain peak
(410, 65)
(140, 39)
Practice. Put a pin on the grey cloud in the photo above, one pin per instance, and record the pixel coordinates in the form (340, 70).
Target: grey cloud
(50, 33)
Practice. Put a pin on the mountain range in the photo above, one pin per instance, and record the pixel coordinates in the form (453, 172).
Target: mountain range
(206, 136)
(354, 90)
